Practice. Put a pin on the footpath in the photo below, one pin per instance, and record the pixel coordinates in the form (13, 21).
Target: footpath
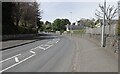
(90, 57)
(14, 43)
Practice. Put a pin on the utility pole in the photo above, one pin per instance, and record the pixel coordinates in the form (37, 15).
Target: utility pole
(103, 41)
(118, 26)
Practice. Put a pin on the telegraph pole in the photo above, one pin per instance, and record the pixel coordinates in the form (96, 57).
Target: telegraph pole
(118, 26)
(103, 27)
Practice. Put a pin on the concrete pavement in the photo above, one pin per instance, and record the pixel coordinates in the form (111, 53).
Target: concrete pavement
(92, 58)
(14, 43)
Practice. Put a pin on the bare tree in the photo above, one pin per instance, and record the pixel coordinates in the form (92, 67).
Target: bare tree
(110, 13)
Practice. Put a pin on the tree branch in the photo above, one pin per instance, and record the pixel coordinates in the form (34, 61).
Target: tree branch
(98, 15)
(99, 12)
(114, 13)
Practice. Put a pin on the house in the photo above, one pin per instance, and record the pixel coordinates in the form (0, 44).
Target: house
(74, 27)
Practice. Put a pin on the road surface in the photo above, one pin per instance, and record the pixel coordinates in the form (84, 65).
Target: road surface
(59, 54)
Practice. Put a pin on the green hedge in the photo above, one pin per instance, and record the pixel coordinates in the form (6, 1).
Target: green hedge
(79, 31)
(22, 30)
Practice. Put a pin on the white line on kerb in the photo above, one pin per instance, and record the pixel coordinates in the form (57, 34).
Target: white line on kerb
(10, 58)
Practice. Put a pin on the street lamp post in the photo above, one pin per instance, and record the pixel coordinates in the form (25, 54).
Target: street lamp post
(103, 28)
(71, 23)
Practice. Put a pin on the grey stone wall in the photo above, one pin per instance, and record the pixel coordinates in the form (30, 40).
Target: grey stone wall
(7, 37)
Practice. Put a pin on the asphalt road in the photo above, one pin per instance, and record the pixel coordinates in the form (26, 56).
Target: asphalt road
(57, 57)
(58, 54)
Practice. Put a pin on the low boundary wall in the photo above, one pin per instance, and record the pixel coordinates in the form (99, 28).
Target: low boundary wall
(8, 37)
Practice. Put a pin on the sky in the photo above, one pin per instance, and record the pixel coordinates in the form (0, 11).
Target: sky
(62, 9)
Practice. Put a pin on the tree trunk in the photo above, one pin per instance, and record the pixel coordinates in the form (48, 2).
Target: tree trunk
(17, 22)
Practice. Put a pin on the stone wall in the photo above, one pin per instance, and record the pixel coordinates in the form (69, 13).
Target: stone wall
(17, 36)
(110, 40)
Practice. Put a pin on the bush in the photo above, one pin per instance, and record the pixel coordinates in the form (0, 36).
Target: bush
(79, 31)
(22, 30)
(9, 29)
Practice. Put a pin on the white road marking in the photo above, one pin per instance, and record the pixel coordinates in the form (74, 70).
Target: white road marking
(56, 42)
(10, 58)
(32, 52)
(17, 63)
(41, 47)
(49, 42)
(34, 48)
(48, 47)
(16, 59)
(45, 45)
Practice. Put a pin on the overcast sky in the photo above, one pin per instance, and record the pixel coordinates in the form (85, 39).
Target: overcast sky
(53, 9)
